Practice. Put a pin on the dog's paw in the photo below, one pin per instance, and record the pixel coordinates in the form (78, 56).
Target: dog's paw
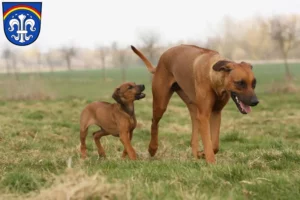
(152, 151)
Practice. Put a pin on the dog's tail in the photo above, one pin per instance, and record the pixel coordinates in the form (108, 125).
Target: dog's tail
(150, 67)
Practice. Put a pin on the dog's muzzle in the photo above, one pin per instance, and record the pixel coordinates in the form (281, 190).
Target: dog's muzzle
(243, 105)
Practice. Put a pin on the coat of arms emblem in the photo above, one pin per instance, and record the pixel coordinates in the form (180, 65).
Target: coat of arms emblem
(22, 21)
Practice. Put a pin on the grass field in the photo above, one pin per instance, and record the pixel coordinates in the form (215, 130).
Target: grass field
(259, 155)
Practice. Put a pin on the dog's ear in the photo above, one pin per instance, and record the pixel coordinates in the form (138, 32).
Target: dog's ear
(116, 95)
(222, 65)
(248, 64)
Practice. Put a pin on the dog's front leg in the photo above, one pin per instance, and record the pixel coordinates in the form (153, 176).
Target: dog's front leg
(204, 127)
(215, 122)
(125, 139)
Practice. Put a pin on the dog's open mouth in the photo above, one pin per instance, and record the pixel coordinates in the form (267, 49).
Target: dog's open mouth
(140, 96)
(243, 108)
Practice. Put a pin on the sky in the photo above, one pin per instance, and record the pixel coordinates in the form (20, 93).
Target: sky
(90, 23)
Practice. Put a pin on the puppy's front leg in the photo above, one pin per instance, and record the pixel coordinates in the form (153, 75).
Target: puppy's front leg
(125, 152)
(97, 136)
(125, 139)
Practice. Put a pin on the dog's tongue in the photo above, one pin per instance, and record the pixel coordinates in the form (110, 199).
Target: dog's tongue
(246, 108)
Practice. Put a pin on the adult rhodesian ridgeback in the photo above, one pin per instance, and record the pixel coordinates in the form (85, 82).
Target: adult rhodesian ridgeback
(204, 81)
(116, 119)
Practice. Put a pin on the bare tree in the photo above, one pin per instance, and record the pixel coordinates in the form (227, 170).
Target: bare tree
(122, 62)
(68, 53)
(285, 30)
(11, 62)
(119, 58)
(150, 41)
(7, 54)
(103, 52)
(49, 60)
(38, 56)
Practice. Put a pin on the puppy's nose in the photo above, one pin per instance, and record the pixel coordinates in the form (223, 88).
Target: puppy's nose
(254, 101)
(142, 87)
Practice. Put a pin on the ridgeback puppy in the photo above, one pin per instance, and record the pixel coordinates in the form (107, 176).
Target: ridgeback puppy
(116, 119)
(205, 81)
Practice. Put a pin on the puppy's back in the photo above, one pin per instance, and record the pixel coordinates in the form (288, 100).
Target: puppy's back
(97, 112)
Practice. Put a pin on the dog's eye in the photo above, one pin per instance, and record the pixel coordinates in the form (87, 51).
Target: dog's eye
(254, 83)
(130, 87)
(241, 84)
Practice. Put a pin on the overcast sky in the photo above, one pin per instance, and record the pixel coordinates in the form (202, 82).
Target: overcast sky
(88, 23)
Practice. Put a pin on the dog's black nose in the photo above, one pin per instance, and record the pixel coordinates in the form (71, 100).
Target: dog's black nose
(254, 101)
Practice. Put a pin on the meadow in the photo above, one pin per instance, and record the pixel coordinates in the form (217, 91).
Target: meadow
(259, 155)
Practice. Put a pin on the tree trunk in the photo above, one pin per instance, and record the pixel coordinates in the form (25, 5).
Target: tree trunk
(123, 73)
(7, 66)
(68, 63)
(51, 67)
(288, 74)
(15, 70)
(103, 70)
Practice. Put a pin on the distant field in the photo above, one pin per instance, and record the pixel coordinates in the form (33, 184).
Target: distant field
(259, 156)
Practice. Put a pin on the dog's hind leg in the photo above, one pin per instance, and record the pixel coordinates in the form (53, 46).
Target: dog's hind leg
(162, 92)
(97, 136)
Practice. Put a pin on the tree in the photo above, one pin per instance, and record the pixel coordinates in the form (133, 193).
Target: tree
(7, 54)
(119, 58)
(68, 53)
(122, 62)
(103, 52)
(285, 30)
(36, 53)
(150, 40)
(49, 61)
(11, 61)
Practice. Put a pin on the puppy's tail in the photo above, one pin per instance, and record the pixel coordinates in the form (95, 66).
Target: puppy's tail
(150, 67)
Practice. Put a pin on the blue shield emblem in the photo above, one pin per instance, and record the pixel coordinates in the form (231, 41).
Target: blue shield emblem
(22, 21)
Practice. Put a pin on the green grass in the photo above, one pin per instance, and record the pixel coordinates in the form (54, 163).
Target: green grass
(259, 153)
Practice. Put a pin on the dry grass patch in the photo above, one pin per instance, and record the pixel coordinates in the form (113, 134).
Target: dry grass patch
(288, 87)
(29, 89)
(77, 185)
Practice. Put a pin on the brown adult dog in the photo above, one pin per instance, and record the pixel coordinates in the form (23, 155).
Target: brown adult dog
(204, 81)
(116, 119)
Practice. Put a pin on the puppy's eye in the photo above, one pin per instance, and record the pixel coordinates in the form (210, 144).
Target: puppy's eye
(130, 87)
(241, 84)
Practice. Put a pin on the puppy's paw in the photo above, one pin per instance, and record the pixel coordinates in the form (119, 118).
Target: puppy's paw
(200, 155)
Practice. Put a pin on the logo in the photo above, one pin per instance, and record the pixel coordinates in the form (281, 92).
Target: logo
(22, 21)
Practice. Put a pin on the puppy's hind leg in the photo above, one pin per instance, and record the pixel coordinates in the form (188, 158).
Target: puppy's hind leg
(85, 122)
(83, 134)
(97, 136)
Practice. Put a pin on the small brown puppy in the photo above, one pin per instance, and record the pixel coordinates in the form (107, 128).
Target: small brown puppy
(116, 119)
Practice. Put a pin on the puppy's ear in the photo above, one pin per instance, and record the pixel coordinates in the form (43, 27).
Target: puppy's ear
(116, 95)
(222, 65)
(248, 64)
